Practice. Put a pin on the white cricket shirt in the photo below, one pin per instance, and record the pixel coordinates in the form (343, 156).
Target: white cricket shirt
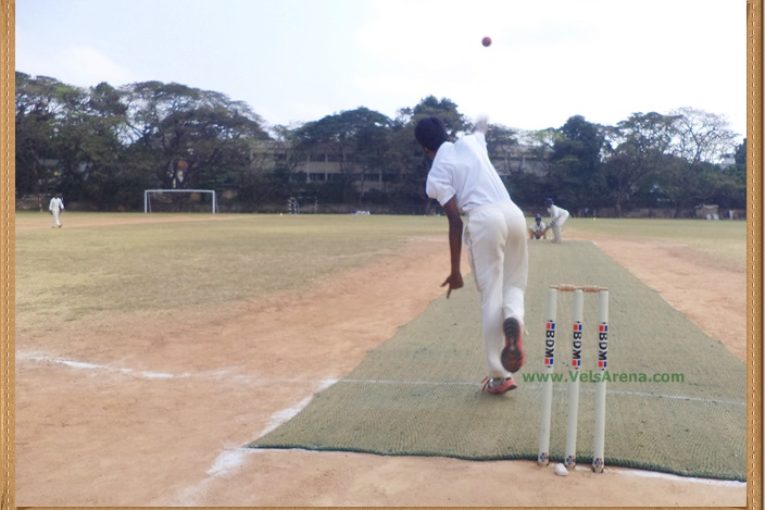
(56, 204)
(556, 212)
(463, 169)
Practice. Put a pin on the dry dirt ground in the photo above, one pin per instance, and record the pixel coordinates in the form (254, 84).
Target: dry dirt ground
(153, 411)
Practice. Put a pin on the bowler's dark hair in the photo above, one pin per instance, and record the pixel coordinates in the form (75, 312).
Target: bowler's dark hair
(430, 133)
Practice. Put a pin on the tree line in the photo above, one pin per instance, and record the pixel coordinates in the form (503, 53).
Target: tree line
(104, 145)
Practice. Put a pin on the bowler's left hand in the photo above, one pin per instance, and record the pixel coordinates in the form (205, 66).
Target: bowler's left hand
(454, 281)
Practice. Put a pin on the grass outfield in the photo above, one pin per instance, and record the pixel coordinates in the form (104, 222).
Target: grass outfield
(68, 274)
(134, 262)
(722, 241)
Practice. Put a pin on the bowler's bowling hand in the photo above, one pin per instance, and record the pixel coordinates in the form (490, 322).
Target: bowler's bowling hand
(482, 124)
(454, 281)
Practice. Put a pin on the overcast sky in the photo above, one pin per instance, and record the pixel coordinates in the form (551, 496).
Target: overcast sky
(294, 61)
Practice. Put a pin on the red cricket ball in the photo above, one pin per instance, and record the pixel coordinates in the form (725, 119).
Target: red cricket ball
(486, 41)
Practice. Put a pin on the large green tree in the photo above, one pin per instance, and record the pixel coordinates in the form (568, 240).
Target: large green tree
(700, 141)
(638, 146)
(43, 109)
(356, 139)
(190, 137)
(69, 139)
(576, 171)
(104, 145)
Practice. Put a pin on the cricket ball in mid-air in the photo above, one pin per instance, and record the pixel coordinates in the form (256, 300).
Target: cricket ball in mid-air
(486, 41)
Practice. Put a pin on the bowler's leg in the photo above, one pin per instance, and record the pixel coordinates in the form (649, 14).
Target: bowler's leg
(487, 232)
(514, 282)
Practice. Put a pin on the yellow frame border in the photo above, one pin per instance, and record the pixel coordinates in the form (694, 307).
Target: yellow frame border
(754, 252)
(7, 252)
(754, 125)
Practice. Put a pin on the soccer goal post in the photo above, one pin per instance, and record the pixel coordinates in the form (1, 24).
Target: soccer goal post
(149, 193)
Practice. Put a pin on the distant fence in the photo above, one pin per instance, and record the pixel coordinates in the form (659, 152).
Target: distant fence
(664, 212)
(33, 203)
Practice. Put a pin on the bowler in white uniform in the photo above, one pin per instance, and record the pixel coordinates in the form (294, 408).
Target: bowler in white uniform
(463, 180)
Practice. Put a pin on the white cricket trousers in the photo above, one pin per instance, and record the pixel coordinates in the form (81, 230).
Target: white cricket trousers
(495, 235)
(558, 224)
(56, 218)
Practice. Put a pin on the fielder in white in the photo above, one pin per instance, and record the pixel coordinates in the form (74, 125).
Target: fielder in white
(56, 207)
(463, 180)
(558, 217)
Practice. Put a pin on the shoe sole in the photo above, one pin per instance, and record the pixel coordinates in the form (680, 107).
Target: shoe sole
(487, 389)
(512, 358)
(511, 388)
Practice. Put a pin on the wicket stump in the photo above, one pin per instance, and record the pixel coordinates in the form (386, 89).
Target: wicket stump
(577, 337)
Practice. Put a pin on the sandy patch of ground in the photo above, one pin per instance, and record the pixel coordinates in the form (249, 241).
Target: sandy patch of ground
(711, 296)
(150, 410)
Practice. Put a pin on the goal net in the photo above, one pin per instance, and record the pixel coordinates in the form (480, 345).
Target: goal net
(180, 200)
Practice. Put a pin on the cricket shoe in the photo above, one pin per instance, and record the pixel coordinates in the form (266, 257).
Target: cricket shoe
(512, 355)
(498, 385)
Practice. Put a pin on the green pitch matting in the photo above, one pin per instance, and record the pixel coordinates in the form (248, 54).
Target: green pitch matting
(419, 392)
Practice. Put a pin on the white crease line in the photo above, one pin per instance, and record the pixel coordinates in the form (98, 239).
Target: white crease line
(82, 365)
(408, 383)
(229, 460)
(221, 374)
(228, 375)
(558, 388)
(76, 364)
(678, 397)
(232, 459)
(671, 477)
(285, 415)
